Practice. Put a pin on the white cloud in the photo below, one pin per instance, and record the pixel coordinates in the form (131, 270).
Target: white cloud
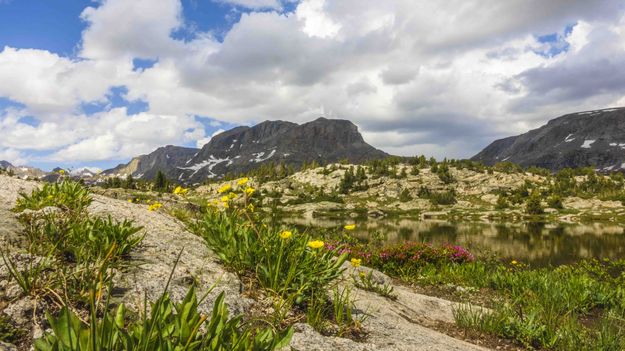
(316, 22)
(416, 76)
(201, 142)
(15, 157)
(47, 83)
(254, 4)
(120, 29)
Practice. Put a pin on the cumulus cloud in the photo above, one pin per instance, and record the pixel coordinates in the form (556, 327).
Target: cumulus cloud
(441, 78)
(254, 4)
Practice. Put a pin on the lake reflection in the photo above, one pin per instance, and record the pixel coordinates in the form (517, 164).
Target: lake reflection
(538, 244)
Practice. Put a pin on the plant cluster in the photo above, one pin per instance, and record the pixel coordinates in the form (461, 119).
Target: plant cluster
(437, 198)
(168, 326)
(68, 195)
(353, 180)
(444, 173)
(397, 259)
(294, 269)
(67, 248)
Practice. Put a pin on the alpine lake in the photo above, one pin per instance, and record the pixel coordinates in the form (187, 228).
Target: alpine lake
(537, 244)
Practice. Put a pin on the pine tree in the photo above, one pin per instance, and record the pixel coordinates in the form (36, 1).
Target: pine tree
(130, 182)
(160, 182)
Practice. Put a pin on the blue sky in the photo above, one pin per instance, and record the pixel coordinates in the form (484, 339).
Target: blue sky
(56, 26)
(94, 83)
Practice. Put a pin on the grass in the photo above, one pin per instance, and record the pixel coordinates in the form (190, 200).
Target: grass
(365, 281)
(580, 306)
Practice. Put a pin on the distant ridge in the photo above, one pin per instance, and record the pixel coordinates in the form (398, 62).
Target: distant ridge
(242, 149)
(23, 172)
(583, 139)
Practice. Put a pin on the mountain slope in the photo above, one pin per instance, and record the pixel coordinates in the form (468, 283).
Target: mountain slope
(23, 172)
(584, 139)
(5, 164)
(165, 159)
(244, 148)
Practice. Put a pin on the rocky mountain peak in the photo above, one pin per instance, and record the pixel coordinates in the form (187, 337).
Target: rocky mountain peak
(243, 148)
(583, 139)
(5, 164)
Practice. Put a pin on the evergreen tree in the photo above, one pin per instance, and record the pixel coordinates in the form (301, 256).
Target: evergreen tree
(346, 183)
(160, 182)
(403, 174)
(415, 170)
(130, 182)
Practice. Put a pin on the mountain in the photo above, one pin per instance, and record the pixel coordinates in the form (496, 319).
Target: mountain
(23, 172)
(242, 149)
(165, 159)
(5, 164)
(85, 172)
(583, 139)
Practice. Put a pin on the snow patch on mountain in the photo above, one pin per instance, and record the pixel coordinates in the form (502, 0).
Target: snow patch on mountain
(210, 163)
(587, 143)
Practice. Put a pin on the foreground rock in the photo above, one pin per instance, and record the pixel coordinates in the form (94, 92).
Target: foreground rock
(391, 325)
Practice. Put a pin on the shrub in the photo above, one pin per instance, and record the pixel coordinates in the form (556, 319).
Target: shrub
(444, 174)
(555, 201)
(507, 167)
(397, 259)
(502, 202)
(405, 196)
(533, 205)
(443, 198)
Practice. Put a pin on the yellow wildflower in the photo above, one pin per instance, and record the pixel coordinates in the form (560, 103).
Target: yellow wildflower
(513, 262)
(61, 171)
(250, 207)
(355, 262)
(286, 234)
(155, 206)
(232, 195)
(224, 188)
(50, 197)
(130, 200)
(225, 198)
(243, 181)
(350, 227)
(249, 191)
(225, 204)
(180, 190)
(315, 244)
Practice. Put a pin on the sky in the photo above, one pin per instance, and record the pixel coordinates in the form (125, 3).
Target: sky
(95, 83)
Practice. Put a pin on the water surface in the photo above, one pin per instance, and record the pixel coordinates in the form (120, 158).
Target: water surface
(538, 244)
